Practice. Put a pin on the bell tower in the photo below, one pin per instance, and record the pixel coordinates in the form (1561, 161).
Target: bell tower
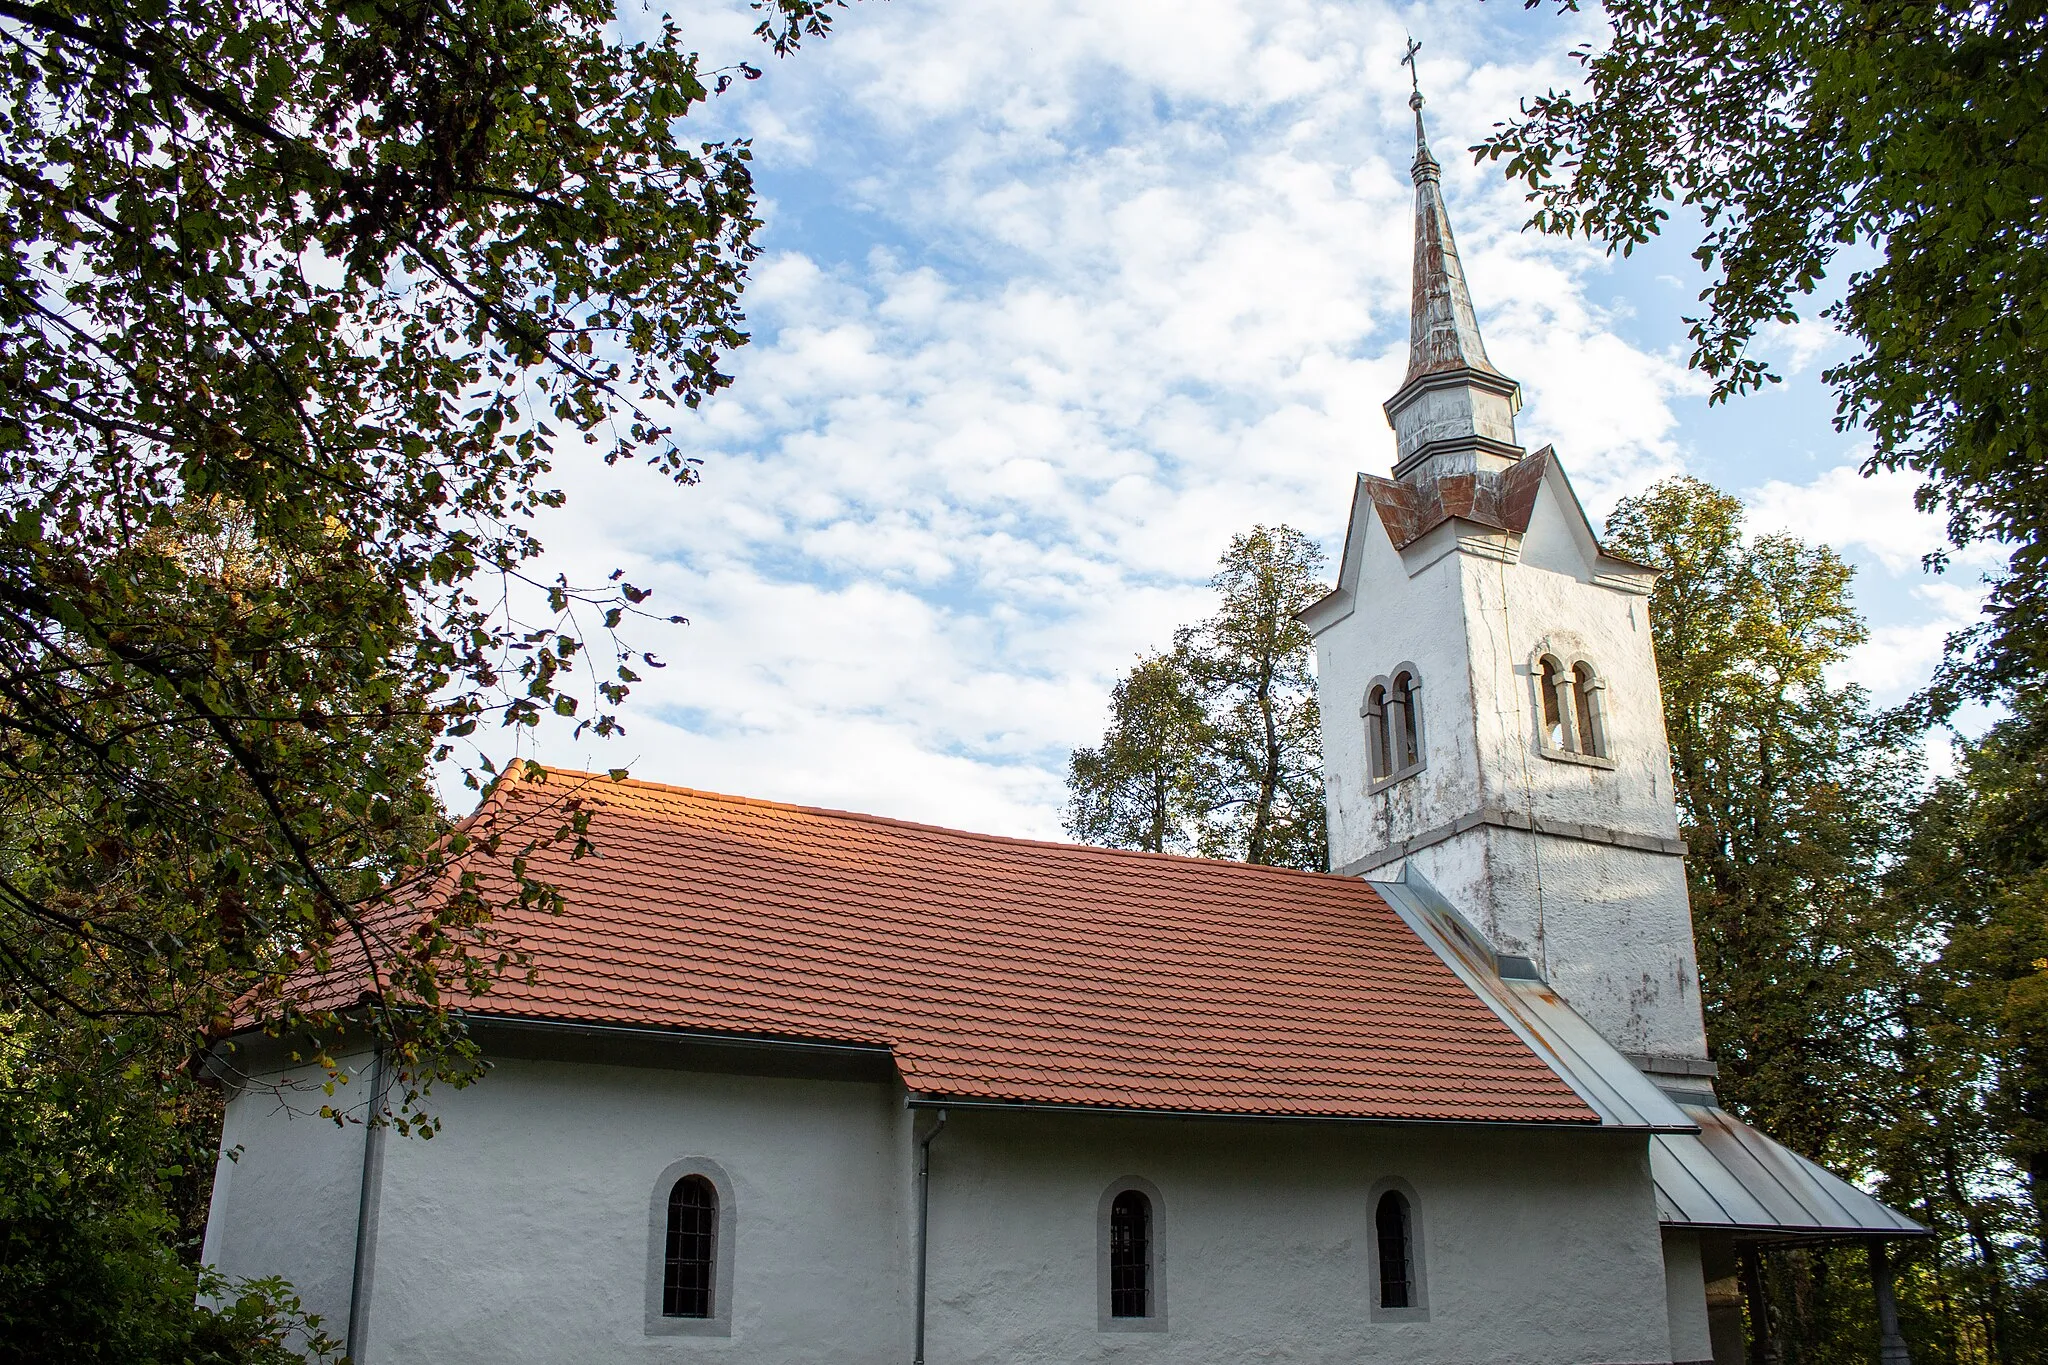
(1491, 713)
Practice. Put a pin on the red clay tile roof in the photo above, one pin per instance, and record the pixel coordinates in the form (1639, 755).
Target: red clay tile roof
(1008, 969)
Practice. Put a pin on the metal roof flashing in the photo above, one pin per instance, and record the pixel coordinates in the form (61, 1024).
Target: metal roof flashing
(1711, 1170)
(1622, 1096)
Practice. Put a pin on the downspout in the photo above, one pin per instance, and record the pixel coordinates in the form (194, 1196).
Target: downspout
(361, 1276)
(924, 1209)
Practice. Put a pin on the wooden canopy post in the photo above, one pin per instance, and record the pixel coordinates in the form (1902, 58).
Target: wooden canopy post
(1763, 1338)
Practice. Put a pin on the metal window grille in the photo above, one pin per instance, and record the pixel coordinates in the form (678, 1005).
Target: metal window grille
(1130, 1256)
(1397, 1269)
(686, 1288)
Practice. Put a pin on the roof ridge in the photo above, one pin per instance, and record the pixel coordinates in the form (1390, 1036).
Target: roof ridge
(864, 817)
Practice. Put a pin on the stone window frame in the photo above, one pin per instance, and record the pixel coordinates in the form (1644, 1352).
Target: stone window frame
(1418, 1257)
(1391, 726)
(1155, 1321)
(719, 1324)
(1586, 706)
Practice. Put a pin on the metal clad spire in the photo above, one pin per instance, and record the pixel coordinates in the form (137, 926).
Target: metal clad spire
(1443, 332)
(1455, 412)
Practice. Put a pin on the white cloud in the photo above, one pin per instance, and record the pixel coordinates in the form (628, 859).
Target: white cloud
(1793, 346)
(1844, 508)
(1062, 294)
(1900, 656)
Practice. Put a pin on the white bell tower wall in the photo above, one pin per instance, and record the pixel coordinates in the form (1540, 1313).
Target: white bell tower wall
(1562, 846)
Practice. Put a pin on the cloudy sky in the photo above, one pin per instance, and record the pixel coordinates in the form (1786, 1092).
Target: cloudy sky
(1058, 295)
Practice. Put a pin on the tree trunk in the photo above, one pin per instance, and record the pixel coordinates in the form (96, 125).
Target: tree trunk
(2037, 1186)
(1986, 1247)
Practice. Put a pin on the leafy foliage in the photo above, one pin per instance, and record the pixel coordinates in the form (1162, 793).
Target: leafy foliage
(89, 1228)
(1140, 788)
(1215, 747)
(1805, 133)
(299, 305)
(1964, 1136)
(1790, 796)
(1863, 969)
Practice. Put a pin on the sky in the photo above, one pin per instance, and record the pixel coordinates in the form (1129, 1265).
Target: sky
(1056, 296)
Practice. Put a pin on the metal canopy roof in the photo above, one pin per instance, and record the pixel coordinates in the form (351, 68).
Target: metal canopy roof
(1731, 1176)
(1711, 1170)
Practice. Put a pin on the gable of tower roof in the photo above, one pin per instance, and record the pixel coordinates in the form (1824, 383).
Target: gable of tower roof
(1502, 501)
(995, 969)
(1499, 500)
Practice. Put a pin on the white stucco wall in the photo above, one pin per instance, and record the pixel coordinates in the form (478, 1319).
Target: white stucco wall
(1395, 619)
(1539, 1247)
(1608, 927)
(1608, 923)
(519, 1234)
(287, 1187)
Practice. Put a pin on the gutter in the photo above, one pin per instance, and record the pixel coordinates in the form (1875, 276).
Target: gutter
(654, 1033)
(368, 1198)
(924, 1207)
(942, 1103)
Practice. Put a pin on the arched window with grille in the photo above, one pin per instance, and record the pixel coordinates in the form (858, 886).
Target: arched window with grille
(1397, 1279)
(1133, 1292)
(690, 1263)
(1397, 1261)
(1130, 1256)
(690, 1251)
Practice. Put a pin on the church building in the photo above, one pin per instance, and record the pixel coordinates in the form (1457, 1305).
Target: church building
(796, 1085)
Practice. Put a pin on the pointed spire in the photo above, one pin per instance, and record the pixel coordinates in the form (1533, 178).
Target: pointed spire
(1443, 332)
(1454, 410)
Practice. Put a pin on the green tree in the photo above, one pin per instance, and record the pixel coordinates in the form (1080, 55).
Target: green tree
(1138, 788)
(1950, 1134)
(336, 282)
(1977, 875)
(299, 304)
(1799, 132)
(90, 1269)
(1216, 746)
(1791, 796)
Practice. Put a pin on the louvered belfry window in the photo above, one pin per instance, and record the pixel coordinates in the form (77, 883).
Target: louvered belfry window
(1397, 1263)
(1130, 1256)
(686, 1288)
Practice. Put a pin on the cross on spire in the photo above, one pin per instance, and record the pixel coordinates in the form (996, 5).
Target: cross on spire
(1424, 162)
